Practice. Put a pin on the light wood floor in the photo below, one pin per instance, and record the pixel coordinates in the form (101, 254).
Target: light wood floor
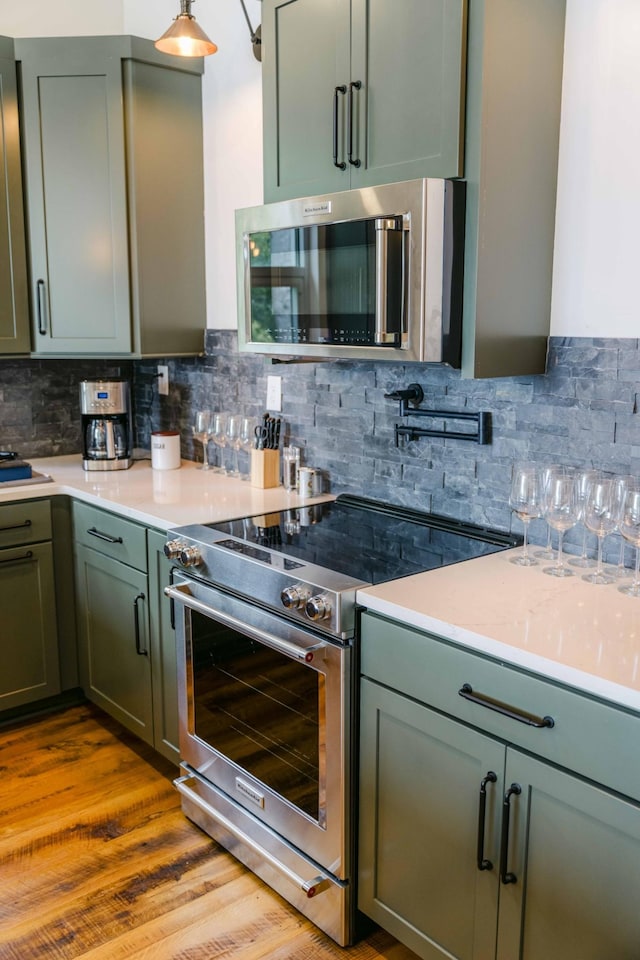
(97, 861)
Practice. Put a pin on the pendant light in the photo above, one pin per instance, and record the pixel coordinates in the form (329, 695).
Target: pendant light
(185, 38)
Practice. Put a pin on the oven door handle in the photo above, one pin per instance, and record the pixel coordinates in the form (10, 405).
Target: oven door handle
(309, 887)
(180, 593)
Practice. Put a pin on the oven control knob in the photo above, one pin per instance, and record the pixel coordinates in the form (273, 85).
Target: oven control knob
(318, 608)
(294, 598)
(173, 548)
(190, 556)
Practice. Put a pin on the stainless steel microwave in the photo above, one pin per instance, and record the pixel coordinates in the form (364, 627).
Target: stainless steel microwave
(365, 274)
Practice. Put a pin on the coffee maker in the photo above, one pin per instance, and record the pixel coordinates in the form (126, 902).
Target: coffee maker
(105, 409)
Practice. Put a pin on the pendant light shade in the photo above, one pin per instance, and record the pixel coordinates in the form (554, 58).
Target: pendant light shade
(185, 38)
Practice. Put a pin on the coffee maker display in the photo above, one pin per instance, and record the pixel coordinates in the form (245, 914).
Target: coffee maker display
(105, 410)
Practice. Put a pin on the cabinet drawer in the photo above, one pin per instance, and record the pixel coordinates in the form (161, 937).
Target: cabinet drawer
(28, 521)
(588, 736)
(111, 535)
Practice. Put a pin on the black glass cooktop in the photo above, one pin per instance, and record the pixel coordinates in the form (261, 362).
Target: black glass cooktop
(365, 539)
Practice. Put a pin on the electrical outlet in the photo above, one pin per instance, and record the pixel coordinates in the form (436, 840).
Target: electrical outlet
(163, 380)
(274, 394)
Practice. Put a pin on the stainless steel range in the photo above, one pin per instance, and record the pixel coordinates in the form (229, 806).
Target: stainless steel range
(266, 624)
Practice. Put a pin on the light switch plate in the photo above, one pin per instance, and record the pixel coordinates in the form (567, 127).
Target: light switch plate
(274, 394)
(163, 380)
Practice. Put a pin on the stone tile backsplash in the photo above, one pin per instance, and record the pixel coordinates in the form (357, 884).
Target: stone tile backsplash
(583, 411)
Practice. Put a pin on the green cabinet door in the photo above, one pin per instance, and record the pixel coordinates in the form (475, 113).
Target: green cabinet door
(408, 114)
(14, 305)
(575, 851)
(420, 782)
(28, 638)
(163, 651)
(306, 57)
(361, 93)
(113, 639)
(114, 186)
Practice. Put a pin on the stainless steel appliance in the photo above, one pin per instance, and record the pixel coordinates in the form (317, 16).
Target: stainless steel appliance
(266, 631)
(105, 410)
(364, 274)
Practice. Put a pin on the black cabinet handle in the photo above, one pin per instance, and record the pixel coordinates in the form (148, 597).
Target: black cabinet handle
(483, 863)
(16, 526)
(514, 791)
(27, 556)
(341, 165)
(354, 85)
(104, 536)
(136, 626)
(514, 713)
(42, 312)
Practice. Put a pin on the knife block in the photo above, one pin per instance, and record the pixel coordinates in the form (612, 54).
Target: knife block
(265, 468)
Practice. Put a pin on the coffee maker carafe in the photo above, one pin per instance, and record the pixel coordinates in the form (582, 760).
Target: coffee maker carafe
(106, 424)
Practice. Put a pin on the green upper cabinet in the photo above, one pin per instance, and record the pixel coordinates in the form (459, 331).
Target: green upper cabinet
(114, 186)
(361, 93)
(14, 304)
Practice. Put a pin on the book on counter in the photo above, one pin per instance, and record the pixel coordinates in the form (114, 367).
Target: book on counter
(13, 469)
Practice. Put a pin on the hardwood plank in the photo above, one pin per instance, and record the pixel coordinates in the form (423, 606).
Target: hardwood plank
(97, 860)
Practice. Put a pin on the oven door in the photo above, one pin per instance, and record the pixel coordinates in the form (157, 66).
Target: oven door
(264, 716)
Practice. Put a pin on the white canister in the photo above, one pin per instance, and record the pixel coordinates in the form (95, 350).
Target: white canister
(165, 450)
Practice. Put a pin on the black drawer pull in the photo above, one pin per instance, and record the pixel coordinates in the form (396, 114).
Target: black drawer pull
(483, 863)
(136, 626)
(16, 526)
(104, 536)
(514, 713)
(27, 556)
(354, 85)
(340, 164)
(514, 791)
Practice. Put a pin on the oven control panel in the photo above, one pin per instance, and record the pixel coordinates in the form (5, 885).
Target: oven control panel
(318, 598)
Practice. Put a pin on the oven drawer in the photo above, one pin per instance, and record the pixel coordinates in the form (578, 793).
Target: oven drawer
(28, 521)
(593, 738)
(110, 535)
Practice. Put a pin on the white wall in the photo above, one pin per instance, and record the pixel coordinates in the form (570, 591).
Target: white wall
(597, 251)
(598, 216)
(60, 18)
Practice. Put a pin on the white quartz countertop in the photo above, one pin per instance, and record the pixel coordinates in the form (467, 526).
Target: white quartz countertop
(583, 635)
(157, 498)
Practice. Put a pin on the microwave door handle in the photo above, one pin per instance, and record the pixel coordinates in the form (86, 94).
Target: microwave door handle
(383, 225)
(181, 594)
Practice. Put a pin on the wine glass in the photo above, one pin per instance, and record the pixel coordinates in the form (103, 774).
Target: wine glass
(219, 436)
(561, 513)
(621, 482)
(547, 553)
(584, 479)
(247, 437)
(602, 513)
(201, 430)
(629, 527)
(234, 423)
(525, 500)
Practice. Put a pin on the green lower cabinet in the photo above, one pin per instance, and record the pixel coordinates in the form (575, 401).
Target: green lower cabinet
(575, 851)
(113, 637)
(163, 651)
(30, 667)
(419, 788)
(573, 848)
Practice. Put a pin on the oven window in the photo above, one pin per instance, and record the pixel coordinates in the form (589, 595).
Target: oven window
(261, 710)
